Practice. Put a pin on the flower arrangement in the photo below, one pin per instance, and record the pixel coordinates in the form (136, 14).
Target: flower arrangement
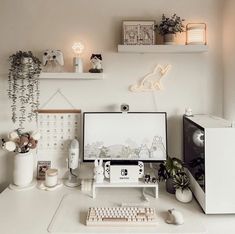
(21, 142)
(171, 25)
(23, 88)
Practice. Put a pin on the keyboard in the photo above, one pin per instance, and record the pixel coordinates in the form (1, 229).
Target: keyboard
(129, 216)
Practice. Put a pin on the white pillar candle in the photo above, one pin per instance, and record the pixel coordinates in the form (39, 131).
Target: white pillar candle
(51, 177)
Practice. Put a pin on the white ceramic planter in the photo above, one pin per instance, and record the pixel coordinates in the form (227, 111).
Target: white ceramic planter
(23, 169)
(169, 39)
(184, 196)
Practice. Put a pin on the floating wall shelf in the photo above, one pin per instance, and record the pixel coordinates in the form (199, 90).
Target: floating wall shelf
(173, 49)
(71, 76)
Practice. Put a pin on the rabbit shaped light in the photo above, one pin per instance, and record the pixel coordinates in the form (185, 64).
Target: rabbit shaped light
(152, 81)
(98, 171)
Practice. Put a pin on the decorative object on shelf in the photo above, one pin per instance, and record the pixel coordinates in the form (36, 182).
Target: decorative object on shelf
(138, 32)
(53, 61)
(148, 179)
(188, 112)
(99, 171)
(196, 34)
(168, 170)
(96, 63)
(23, 88)
(42, 167)
(152, 81)
(22, 143)
(78, 48)
(175, 217)
(181, 183)
(168, 28)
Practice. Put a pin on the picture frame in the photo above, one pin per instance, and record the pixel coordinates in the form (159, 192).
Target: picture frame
(138, 32)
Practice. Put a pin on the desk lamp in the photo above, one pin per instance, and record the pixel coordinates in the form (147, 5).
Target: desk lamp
(78, 48)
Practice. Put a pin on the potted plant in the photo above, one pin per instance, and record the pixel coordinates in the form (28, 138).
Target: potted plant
(181, 183)
(168, 170)
(23, 88)
(22, 144)
(169, 27)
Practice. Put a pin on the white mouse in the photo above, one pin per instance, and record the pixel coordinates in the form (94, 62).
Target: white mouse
(175, 217)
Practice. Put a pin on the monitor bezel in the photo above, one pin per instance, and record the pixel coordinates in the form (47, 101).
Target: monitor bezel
(105, 160)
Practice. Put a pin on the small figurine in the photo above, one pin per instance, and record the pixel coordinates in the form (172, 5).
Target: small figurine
(99, 171)
(188, 112)
(96, 63)
(147, 178)
(175, 217)
(53, 61)
(154, 180)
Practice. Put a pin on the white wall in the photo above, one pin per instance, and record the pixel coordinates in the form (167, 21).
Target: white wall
(195, 79)
(229, 59)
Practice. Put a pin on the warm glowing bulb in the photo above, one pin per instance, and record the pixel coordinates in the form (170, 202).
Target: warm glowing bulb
(78, 48)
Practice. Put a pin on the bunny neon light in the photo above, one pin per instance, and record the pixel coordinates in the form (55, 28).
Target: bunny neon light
(151, 81)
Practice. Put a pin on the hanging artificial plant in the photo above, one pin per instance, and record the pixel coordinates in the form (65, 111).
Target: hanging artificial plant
(23, 89)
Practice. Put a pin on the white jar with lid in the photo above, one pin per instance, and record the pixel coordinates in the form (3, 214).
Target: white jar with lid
(51, 177)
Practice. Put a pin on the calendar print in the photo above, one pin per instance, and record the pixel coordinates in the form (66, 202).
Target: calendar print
(57, 130)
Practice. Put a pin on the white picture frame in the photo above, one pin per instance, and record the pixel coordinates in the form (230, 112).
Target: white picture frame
(138, 32)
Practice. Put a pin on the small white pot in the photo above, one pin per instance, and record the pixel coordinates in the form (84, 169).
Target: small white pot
(184, 196)
(23, 169)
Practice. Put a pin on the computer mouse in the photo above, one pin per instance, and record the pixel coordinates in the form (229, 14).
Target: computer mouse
(175, 217)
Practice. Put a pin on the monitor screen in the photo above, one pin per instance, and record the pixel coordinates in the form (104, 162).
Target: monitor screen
(124, 136)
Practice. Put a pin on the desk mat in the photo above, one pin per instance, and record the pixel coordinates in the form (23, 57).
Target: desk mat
(70, 216)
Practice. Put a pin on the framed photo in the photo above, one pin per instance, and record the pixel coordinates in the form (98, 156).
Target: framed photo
(42, 167)
(138, 32)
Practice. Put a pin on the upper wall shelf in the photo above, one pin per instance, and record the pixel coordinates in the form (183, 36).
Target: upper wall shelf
(173, 49)
(71, 76)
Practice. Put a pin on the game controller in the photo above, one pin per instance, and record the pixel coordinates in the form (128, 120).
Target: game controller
(53, 56)
(107, 166)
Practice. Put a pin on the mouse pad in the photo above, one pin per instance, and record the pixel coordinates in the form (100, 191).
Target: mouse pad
(70, 216)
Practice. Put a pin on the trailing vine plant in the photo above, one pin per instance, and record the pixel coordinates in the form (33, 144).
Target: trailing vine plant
(23, 90)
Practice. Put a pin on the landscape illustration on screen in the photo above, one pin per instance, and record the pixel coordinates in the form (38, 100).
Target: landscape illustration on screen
(148, 150)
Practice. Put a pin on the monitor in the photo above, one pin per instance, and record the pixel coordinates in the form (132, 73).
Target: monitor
(132, 136)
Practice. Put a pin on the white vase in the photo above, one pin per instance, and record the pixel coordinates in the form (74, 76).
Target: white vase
(184, 196)
(23, 169)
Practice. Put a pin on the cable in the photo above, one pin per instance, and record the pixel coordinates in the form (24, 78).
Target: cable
(71, 172)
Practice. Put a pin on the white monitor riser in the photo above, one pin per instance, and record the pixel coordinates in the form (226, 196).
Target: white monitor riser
(139, 184)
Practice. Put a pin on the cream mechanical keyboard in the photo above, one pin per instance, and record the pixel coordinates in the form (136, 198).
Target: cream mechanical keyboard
(121, 216)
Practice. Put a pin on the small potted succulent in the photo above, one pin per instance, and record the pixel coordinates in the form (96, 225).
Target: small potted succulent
(22, 143)
(169, 27)
(181, 183)
(23, 89)
(168, 170)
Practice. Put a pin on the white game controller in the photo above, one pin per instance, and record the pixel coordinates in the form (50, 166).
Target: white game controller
(108, 164)
(53, 55)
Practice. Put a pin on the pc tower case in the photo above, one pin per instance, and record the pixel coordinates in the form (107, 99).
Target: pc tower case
(209, 154)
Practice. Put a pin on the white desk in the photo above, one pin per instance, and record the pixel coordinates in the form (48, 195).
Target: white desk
(32, 212)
